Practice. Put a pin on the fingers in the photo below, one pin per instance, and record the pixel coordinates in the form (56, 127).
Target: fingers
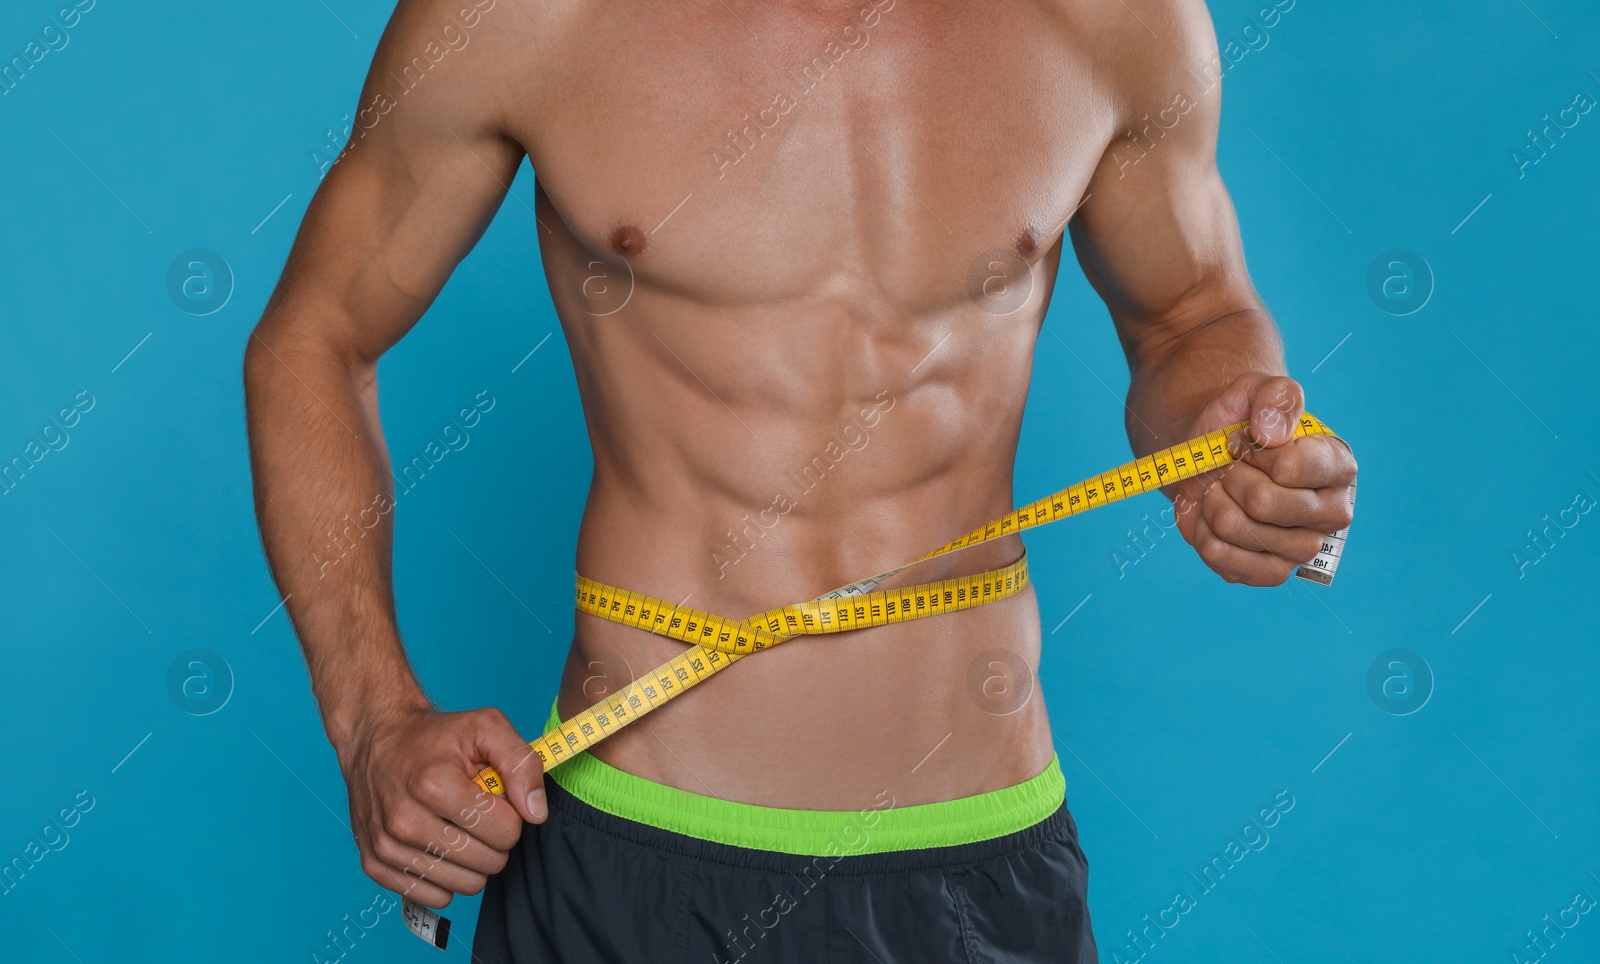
(418, 826)
(498, 745)
(1230, 523)
(1271, 403)
(420, 854)
(1238, 545)
(1235, 563)
(444, 792)
(1276, 402)
(404, 884)
(490, 819)
(1267, 512)
(417, 872)
(1309, 462)
(424, 827)
(1325, 509)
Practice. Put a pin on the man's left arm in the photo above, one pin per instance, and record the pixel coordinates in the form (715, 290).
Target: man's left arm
(1158, 239)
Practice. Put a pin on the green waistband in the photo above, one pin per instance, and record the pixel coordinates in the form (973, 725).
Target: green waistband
(878, 828)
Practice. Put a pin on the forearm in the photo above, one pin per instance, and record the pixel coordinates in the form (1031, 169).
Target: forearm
(1171, 385)
(324, 501)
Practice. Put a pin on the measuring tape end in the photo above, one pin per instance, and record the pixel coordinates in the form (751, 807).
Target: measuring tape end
(425, 923)
(1318, 576)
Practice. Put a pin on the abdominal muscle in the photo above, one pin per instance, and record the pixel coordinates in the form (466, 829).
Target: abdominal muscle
(831, 723)
(726, 496)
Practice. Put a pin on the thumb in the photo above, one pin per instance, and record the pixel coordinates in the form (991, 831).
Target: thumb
(498, 744)
(1275, 406)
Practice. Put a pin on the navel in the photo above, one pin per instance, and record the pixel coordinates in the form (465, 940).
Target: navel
(628, 241)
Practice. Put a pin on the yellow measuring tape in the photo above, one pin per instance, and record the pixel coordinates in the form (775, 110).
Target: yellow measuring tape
(718, 642)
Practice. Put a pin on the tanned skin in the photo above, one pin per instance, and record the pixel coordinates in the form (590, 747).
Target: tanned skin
(773, 299)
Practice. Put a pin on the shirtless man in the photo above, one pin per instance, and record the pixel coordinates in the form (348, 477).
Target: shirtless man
(762, 221)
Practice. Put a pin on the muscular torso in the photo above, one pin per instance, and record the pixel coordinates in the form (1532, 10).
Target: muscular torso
(801, 263)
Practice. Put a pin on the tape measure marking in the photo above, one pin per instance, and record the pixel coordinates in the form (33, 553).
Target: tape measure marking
(1321, 568)
(425, 923)
(717, 641)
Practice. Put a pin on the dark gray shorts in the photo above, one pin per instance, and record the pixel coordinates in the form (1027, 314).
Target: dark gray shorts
(587, 887)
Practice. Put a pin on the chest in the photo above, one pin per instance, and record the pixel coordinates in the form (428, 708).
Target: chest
(747, 153)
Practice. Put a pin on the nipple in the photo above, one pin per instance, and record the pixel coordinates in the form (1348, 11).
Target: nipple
(628, 241)
(1027, 242)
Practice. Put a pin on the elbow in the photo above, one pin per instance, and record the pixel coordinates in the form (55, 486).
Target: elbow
(284, 357)
(253, 373)
(259, 367)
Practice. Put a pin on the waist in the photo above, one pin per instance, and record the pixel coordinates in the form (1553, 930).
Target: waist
(947, 706)
(883, 824)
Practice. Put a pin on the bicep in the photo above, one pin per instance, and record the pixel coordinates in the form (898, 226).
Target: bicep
(1157, 235)
(424, 172)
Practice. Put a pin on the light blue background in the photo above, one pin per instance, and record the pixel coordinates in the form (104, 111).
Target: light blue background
(1440, 836)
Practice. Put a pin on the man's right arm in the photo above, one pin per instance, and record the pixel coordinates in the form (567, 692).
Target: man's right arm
(426, 171)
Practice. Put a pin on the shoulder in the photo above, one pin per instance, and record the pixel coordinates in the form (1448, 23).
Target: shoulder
(476, 59)
(1151, 53)
(1157, 51)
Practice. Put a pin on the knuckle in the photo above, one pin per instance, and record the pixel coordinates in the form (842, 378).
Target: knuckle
(374, 869)
(1256, 501)
(469, 818)
(388, 850)
(405, 824)
(1232, 522)
(421, 866)
(493, 716)
(1292, 466)
(474, 884)
(1224, 527)
(507, 833)
(496, 842)
(431, 785)
(453, 839)
(1332, 515)
(1344, 456)
(497, 861)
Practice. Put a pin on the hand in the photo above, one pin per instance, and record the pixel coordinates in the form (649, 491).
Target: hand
(1258, 519)
(424, 828)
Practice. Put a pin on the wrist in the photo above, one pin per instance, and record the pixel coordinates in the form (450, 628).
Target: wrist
(352, 722)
